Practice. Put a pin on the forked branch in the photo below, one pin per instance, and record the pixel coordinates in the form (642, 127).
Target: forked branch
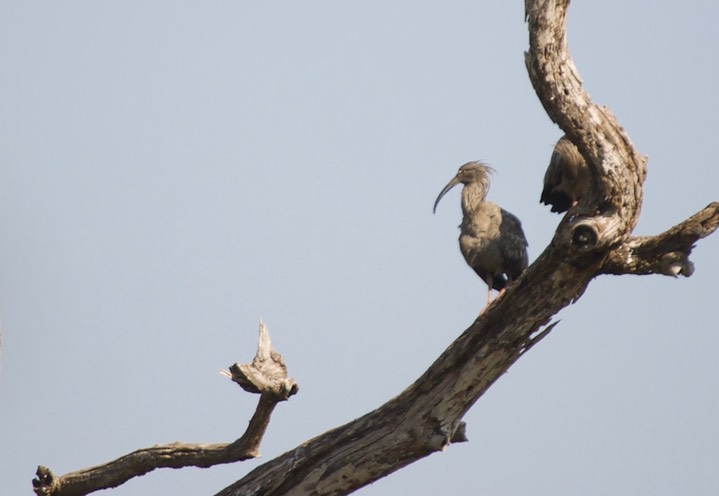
(608, 215)
(266, 375)
(427, 416)
(666, 253)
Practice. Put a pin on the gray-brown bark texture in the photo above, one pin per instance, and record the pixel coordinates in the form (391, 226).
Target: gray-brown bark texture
(595, 237)
(266, 376)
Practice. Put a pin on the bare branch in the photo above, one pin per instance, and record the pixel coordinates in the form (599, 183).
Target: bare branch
(268, 375)
(668, 252)
(607, 216)
(426, 417)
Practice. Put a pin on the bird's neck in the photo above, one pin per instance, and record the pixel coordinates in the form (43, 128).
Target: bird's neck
(473, 195)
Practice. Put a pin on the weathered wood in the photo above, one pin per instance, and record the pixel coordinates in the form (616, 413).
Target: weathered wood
(594, 239)
(424, 417)
(618, 170)
(266, 375)
(666, 253)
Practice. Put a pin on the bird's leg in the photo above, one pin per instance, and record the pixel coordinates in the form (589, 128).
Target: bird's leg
(489, 282)
(501, 291)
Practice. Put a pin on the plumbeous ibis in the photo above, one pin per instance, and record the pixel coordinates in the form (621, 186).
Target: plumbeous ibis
(491, 239)
(567, 177)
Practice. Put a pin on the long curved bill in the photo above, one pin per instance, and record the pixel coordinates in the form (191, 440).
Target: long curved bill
(454, 182)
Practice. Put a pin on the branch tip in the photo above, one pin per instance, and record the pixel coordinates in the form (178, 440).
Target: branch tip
(267, 374)
(460, 433)
(45, 484)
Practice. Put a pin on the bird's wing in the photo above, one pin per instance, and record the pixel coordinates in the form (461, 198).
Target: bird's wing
(513, 244)
(566, 176)
(552, 193)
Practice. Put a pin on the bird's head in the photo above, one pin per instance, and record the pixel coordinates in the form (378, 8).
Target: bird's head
(476, 173)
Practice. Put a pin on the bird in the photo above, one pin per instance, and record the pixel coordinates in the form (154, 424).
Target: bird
(491, 239)
(567, 177)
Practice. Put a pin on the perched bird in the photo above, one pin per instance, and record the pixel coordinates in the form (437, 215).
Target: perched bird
(567, 177)
(490, 239)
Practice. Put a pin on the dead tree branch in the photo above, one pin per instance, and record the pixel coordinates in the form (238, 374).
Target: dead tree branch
(666, 253)
(607, 216)
(594, 238)
(266, 375)
(425, 417)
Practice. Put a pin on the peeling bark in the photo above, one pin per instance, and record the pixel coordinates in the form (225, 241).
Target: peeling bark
(266, 375)
(618, 171)
(593, 238)
(666, 253)
(423, 418)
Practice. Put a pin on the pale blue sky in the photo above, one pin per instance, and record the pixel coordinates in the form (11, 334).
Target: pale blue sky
(170, 172)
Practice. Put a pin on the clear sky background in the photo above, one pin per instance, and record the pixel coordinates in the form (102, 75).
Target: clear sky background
(171, 172)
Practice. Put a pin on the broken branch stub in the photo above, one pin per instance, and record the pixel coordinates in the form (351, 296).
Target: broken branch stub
(666, 253)
(267, 374)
